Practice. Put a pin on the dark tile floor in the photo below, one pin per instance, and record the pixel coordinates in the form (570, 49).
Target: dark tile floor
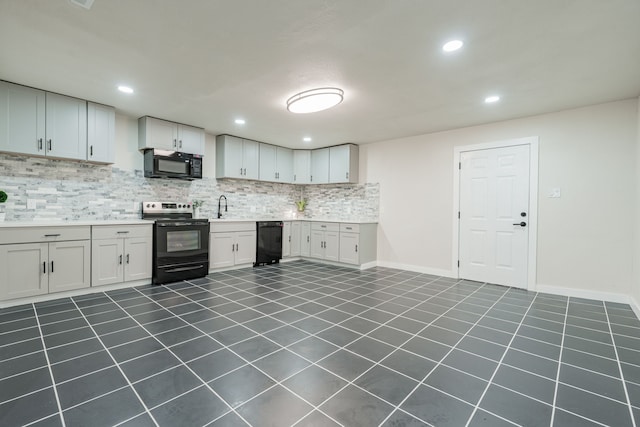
(311, 345)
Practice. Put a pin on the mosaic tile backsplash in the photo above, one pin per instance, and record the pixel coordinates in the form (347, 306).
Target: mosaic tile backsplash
(66, 190)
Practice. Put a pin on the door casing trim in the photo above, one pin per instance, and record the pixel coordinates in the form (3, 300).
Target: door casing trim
(532, 142)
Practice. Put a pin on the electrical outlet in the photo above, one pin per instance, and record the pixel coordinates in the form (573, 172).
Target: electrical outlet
(31, 204)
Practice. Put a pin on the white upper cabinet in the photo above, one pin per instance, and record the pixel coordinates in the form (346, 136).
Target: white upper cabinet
(66, 127)
(236, 157)
(190, 139)
(320, 166)
(301, 167)
(100, 133)
(343, 164)
(166, 135)
(41, 123)
(22, 119)
(276, 163)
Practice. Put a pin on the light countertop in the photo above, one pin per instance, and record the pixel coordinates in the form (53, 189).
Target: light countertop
(51, 223)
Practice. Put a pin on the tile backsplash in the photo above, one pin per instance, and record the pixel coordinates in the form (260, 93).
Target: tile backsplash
(47, 189)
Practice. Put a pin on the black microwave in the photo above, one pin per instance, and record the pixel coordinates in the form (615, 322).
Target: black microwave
(172, 164)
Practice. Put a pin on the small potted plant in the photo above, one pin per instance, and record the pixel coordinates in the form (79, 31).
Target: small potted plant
(3, 198)
(197, 204)
(301, 204)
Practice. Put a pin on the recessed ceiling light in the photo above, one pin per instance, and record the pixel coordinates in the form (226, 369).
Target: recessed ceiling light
(240, 121)
(125, 89)
(311, 101)
(491, 99)
(307, 139)
(452, 45)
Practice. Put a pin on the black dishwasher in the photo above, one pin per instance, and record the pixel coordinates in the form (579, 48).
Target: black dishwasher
(269, 244)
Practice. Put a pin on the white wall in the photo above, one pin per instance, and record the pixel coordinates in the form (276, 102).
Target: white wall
(635, 292)
(585, 237)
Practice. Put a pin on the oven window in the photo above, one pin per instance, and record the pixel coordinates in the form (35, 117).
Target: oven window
(187, 240)
(173, 166)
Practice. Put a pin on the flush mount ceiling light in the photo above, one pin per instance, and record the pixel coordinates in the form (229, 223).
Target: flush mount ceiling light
(452, 45)
(491, 99)
(314, 100)
(125, 89)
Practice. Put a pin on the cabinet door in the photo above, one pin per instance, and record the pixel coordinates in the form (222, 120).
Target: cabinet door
(250, 159)
(23, 270)
(245, 247)
(190, 139)
(286, 239)
(343, 164)
(305, 239)
(69, 265)
(301, 167)
(295, 239)
(22, 119)
(316, 249)
(284, 164)
(161, 134)
(229, 157)
(320, 166)
(331, 246)
(349, 243)
(268, 171)
(339, 163)
(221, 250)
(107, 261)
(137, 258)
(66, 127)
(101, 133)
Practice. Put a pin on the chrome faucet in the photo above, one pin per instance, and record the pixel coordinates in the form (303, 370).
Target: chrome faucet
(225, 205)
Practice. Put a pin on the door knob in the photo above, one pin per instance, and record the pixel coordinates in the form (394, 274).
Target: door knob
(521, 224)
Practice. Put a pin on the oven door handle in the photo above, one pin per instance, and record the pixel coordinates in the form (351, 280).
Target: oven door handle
(182, 224)
(175, 270)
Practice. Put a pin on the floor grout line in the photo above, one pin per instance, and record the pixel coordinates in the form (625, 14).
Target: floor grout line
(555, 392)
(53, 380)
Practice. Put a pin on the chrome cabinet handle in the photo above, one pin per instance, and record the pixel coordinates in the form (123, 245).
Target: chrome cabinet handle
(52, 266)
(346, 175)
(44, 267)
(233, 247)
(180, 143)
(240, 171)
(122, 232)
(51, 235)
(128, 258)
(120, 260)
(39, 144)
(175, 143)
(356, 248)
(91, 150)
(50, 145)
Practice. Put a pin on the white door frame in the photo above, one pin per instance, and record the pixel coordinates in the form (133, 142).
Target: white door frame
(532, 142)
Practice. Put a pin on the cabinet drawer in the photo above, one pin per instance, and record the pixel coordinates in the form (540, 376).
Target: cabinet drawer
(325, 226)
(349, 228)
(115, 231)
(225, 227)
(44, 234)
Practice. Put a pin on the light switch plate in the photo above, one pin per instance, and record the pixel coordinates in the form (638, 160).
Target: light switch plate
(554, 193)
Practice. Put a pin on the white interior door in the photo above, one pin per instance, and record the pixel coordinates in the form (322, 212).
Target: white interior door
(494, 215)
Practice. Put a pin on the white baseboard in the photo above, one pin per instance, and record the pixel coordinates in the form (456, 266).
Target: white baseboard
(417, 269)
(597, 295)
(74, 293)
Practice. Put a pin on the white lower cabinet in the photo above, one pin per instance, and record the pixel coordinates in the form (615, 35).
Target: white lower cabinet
(295, 238)
(325, 241)
(305, 239)
(232, 243)
(358, 243)
(121, 254)
(38, 260)
(286, 239)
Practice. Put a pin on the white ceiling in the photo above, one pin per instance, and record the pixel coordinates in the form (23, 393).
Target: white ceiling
(207, 62)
